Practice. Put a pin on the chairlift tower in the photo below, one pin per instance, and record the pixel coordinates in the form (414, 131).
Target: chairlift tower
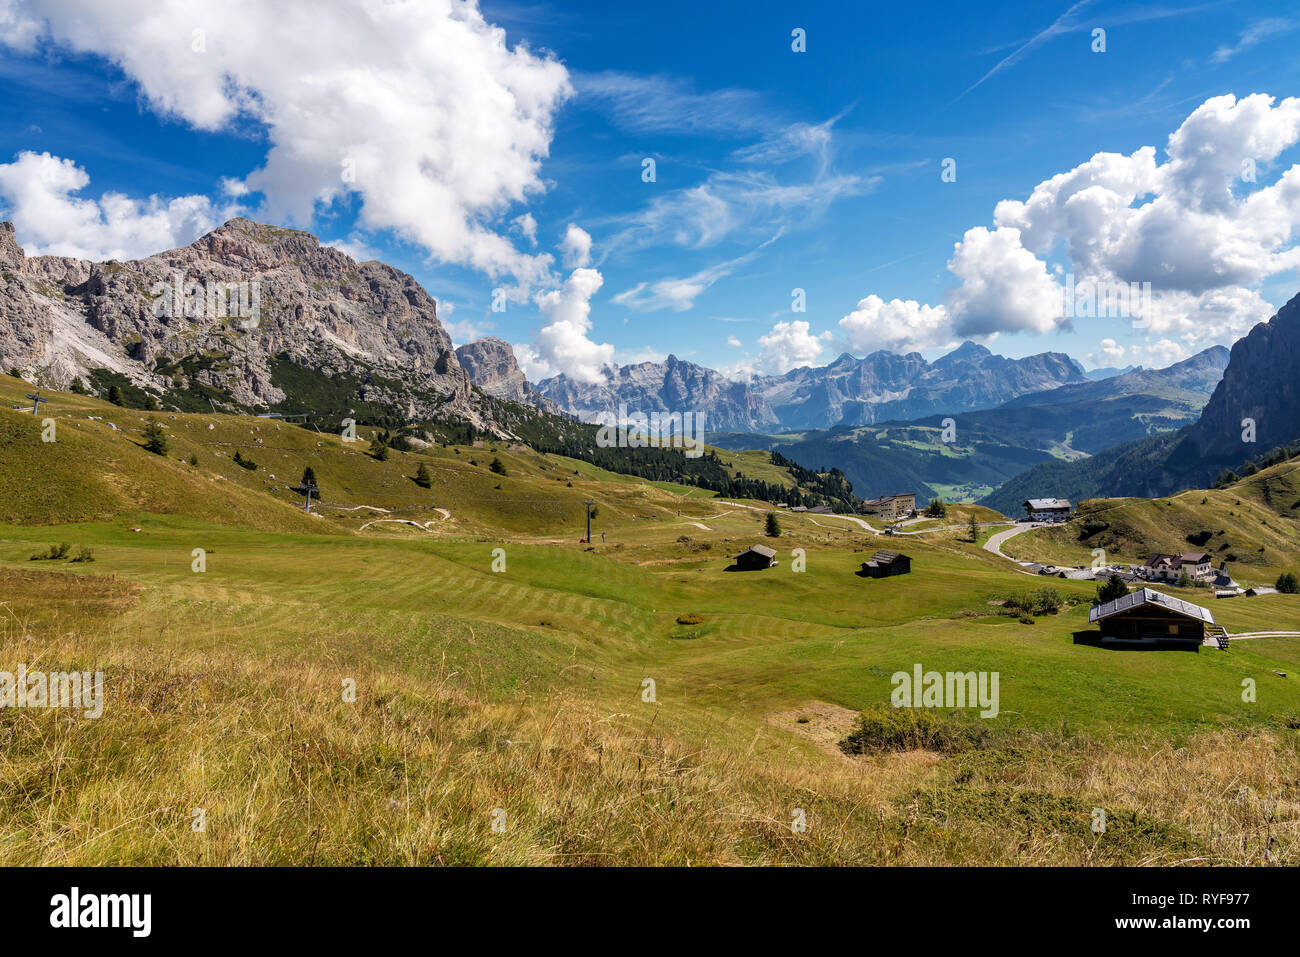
(589, 505)
(306, 489)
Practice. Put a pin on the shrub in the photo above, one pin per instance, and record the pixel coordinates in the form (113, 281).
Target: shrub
(690, 618)
(1043, 601)
(884, 728)
(422, 476)
(244, 463)
(52, 554)
(497, 466)
(84, 554)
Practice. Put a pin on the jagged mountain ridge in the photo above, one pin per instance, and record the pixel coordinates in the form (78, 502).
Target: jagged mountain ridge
(62, 319)
(884, 386)
(673, 385)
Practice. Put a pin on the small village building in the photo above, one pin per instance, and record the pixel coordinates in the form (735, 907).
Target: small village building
(884, 563)
(890, 507)
(755, 557)
(1151, 617)
(1198, 566)
(821, 510)
(1048, 509)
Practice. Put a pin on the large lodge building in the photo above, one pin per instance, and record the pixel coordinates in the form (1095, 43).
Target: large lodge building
(890, 507)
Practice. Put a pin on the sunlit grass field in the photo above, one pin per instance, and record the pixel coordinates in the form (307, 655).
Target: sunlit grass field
(631, 701)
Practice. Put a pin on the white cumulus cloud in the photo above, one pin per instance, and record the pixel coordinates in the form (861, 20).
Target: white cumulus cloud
(422, 111)
(897, 326)
(576, 247)
(38, 193)
(563, 344)
(789, 345)
(1204, 228)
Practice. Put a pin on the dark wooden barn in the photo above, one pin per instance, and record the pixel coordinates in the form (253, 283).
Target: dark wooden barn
(886, 563)
(1151, 617)
(756, 556)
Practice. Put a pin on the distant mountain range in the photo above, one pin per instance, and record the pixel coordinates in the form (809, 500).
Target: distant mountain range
(1254, 408)
(988, 447)
(848, 391)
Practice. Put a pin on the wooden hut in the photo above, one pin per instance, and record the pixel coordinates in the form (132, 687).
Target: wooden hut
(757, 556)
(885, 563)
(1151, 617)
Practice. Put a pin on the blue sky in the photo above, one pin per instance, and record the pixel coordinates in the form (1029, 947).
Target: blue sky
(774, 169)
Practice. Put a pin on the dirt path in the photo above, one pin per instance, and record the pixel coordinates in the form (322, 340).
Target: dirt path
(398, 521)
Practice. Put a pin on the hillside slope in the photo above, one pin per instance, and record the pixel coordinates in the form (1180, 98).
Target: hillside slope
(97, 469)
(1252, 525)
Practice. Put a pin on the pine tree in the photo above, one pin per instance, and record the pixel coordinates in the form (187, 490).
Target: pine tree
(773, 528)
(115, 395)
(974, 529)
(422, 476)
(497, 467)
(155, 439)
(309, 477)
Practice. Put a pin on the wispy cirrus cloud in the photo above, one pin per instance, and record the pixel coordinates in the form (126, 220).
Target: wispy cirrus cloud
(679, 294)
(1254, 35)
(667, 104)
(1074, 20)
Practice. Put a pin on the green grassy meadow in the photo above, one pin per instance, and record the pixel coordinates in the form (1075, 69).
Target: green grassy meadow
(500, 665)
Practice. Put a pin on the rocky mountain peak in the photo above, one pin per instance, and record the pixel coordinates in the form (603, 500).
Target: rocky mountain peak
(11, 254)
(164, 322)
(492, 366)
(965, 352)
(1259, 385)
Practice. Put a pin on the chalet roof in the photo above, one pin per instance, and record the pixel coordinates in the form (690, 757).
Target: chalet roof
(1145, 596)
(1176, 561)
(1048, 503)
(760, 550)
(885, 557)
